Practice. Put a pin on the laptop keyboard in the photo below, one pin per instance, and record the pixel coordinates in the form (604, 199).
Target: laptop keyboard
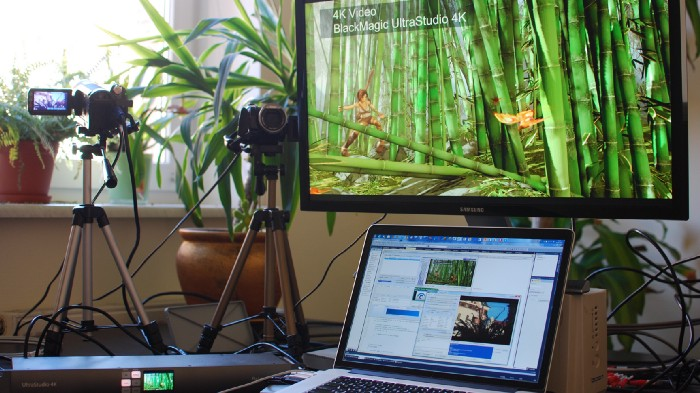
(354, 385)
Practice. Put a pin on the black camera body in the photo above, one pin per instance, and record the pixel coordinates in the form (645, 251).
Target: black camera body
(266, 125)
(98, 111)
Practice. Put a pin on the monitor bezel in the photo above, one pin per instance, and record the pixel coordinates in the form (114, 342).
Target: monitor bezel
(676, 208)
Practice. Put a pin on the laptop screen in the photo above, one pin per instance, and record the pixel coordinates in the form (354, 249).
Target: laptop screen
(473, 303)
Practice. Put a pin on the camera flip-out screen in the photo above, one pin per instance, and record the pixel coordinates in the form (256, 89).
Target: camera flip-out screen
(50, 102)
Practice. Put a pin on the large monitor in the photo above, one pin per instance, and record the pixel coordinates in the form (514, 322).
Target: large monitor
(499, 108)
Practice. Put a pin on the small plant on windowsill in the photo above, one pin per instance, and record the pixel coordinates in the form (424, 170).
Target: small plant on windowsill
(27, 142)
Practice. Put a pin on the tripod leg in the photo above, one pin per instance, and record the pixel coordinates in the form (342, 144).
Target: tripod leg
(210, 331)
(54, 337)
(302, 326)
(70, 260)
(293, 340)
(88, 322)
(149, 328)
(270, 281)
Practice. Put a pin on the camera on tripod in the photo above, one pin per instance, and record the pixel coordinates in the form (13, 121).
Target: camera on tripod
(98, 111)
(265, 125)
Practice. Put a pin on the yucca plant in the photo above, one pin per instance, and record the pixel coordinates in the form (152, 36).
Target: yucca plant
(209, 98)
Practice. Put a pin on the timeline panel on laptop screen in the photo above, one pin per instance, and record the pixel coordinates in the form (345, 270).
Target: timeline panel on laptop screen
(459, 304)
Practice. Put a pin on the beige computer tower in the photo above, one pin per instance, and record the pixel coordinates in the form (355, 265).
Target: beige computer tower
(579, 364)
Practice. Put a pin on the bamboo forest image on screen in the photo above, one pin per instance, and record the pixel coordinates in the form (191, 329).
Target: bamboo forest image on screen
(561, 104)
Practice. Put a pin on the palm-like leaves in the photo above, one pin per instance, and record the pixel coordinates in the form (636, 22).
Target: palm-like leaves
(211, 95)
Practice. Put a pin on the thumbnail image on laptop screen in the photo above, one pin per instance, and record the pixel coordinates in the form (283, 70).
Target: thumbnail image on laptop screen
(459, 302)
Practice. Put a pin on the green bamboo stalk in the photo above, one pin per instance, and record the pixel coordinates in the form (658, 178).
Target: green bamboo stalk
(656, 88)
(421, 93)
(584, 126)
(497, 145)
(397, 92)
(466, 87)
(435, 113)
(506, 25)
(643, 182)
(501, 86)
(544, 19)
(314, 134)
(326, 163)
(483, 139)
(532, 180)
(661, 18)
(592, 23)
(454, 131)
(608, 104)
(575, 183)
(518, 49)
(335, 94)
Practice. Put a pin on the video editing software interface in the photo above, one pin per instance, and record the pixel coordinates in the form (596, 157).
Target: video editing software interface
(466, 305)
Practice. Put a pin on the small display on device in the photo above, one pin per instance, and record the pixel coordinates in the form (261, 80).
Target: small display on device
(158, 381)
(49, 102)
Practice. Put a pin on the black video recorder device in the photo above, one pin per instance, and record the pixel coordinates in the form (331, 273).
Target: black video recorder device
(131, 374)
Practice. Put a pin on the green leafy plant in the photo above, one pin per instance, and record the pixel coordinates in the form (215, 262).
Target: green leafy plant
(152, 121)
(604, 255)
(617, 265)
(16, 124)
(208, 98)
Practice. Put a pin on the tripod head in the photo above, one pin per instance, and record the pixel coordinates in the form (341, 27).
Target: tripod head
(263, 171)
(261, 130)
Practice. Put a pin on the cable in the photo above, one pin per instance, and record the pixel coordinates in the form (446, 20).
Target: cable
(273, 377)
(177, 226)
(225, 172)
(20, 324)
(52, 321)
(273, 346)
(330, 264)
(179, 293)
(134, 200)
(680, 372)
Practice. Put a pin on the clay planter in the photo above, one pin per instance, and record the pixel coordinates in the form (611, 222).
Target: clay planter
(28, 181)
(204, 262)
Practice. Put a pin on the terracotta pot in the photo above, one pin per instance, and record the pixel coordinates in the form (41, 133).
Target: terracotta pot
(29, 180)
(204, 262)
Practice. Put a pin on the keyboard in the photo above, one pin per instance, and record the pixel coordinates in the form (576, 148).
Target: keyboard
(355, 385)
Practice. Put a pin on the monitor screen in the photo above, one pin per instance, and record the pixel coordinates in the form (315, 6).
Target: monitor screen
(509, 108)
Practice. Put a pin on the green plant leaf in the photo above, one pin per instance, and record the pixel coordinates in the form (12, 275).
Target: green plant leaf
(171, 37)
(330, 221)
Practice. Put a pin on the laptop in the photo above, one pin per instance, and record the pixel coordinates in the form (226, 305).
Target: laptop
(468, 309)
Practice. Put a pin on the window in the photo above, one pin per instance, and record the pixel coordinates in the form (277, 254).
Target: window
(71, 32)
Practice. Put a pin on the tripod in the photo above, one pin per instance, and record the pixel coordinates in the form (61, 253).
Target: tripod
(81, 230)
(277, 255)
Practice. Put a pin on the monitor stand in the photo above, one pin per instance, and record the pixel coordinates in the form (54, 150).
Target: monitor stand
(488, 221)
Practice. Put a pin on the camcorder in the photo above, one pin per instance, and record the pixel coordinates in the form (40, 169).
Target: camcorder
(265, 125)
(98, 110)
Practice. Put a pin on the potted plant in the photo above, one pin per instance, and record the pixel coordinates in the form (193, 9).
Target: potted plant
(209, 98)
(28, 144)
(609, 258)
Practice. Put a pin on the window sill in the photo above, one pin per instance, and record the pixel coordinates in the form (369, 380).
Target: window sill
(63, 210)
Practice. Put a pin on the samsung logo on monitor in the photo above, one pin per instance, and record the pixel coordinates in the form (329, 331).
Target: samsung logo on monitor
(472, 210)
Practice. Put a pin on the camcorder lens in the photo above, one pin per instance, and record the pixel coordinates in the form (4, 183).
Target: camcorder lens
(272, 118)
